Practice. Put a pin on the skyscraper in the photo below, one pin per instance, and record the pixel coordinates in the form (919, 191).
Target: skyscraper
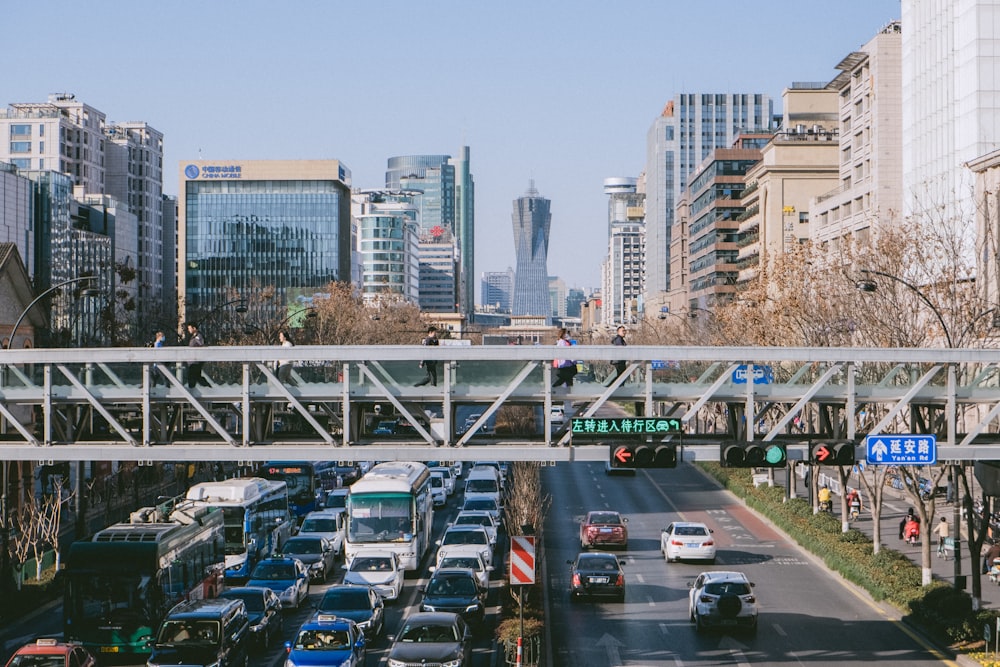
(532, 220)
(689, 128)
(622, 274)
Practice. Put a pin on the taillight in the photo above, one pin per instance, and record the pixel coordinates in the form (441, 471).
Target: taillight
(676, 543)
(620, 581)
(750, 598)
(576, 579)
(707, 543)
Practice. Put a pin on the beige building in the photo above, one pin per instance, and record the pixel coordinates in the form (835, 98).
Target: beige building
(986, 170)
(870, 188)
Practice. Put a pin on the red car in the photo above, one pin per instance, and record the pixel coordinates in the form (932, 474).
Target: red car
(51, 653)
(604, 528)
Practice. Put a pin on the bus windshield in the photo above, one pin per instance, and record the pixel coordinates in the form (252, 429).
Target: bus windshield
(381, 517)
(104, 597)
(234, 530)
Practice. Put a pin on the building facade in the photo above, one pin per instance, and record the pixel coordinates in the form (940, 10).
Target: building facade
(623, 270)
(498, 291)
(532, 219)
(685, 133)
(246, 227)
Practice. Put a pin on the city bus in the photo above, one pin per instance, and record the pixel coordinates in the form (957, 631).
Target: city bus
(306, 482)
(390, 509)
(122, 582)
(256, 517)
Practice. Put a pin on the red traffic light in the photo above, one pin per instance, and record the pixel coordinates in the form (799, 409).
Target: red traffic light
(833, 453)
(644, 456)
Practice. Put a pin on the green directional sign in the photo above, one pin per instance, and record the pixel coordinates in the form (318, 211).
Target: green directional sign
(624, 426)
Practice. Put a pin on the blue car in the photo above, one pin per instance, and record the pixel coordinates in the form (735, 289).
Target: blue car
(327, 641)
(287, 577)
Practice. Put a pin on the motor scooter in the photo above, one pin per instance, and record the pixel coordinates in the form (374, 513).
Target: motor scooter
(855, 509)
(826, 506)
(912, 532)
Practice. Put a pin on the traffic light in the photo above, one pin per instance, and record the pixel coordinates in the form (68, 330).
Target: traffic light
(753, 455)
(644, 455)
(832, 453)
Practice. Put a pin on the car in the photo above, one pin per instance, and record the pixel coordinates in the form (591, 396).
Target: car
(469, 561)
(385, 427)
(263, 611)
(327, 641)
(316, 553)
(499, 468)
(456, 590)
(465, 539)
(325, 523)
(596, 574)
(361, 604)
(449, 477)
(457, 467)
(50, 652)
(336, 498)
(603, 528)
(207, 631)
(287, 577)
(482, 518)
(687, 540)
(348, 472)
(432, 638)
(557, 415)
(379, 570)
(470, 421)
(722, 599)
(484, 504)
(439, 495)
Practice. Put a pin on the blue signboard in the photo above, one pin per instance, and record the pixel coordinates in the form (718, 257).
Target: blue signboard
(901, 449)
(761, 374)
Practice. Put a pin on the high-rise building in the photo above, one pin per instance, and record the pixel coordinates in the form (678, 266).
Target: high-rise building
(532, 220)
(689, 128)
(465, 231)
(249, 226)
(624, 267)
(16, 214)
(951, 84)
(498, 291)
(557, 296)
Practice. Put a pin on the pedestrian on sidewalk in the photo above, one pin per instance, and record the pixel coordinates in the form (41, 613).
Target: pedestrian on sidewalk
(942, 531)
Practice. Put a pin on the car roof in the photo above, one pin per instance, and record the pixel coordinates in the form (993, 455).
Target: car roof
(465, 527)
(436, 617)
(262, 590)
(723, 575)
(455, 572)
(691, 524)
(375, 554)
(46, 646)
(604, 555)
(327, 622)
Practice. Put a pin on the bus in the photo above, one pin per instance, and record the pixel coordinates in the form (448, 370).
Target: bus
(390, 509)
(256, 517)
(122, 582)
(306, 482)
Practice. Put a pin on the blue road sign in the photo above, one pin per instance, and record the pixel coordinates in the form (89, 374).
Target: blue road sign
(901, 449)
(761, 374)
(658, 365)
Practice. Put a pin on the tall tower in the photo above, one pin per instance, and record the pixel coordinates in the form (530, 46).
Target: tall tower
(532, 220)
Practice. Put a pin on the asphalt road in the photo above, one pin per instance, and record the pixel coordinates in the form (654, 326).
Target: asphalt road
(807, 616)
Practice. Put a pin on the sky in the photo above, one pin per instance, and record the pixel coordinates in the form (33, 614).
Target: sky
(561, 91)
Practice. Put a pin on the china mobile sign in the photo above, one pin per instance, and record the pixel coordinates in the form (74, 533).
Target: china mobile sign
(213, 171)
(522, 560)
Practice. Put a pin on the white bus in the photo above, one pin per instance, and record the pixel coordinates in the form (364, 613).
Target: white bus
(257, 519)
(390, 509)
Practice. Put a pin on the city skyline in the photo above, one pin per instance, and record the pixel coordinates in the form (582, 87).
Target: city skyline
(565, 98)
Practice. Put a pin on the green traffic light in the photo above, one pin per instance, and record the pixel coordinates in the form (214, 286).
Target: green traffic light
(775, 455)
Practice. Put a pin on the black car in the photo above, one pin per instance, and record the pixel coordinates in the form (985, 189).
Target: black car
(596, 575)
(433, 638)
(359, 603)
(316, 553)
(456, 590)
(263, 610)
(212, 632)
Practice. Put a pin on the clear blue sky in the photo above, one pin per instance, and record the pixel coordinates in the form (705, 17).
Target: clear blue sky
(562, 92)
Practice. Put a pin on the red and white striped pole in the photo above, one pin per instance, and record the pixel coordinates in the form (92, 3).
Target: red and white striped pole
(518, 663)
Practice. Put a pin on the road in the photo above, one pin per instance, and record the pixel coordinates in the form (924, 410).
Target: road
(806, 614)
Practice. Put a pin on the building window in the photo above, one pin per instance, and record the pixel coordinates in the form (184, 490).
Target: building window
(20, 147)
(21, 163)
(18, 131)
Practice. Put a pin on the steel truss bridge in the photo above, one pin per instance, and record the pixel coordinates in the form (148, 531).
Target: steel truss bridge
(134, 403)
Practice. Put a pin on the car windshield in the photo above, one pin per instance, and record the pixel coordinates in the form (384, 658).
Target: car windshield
(352, 598)
(465, 537)
(188, 632)
(294, 546)
(474, 520)
(427, 632)
(727, 587)
(319, 526)
(254, 601)
(482, 504)
(598, 563)
(457, 586)
(465, 563)
(336, 500)
(38, 661)
(605, 517)
(322, 640)
(273, 571)
(690, 531)
(370, 564)
(482, 486)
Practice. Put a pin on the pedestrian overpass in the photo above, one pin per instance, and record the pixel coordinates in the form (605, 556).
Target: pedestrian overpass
(360, 402)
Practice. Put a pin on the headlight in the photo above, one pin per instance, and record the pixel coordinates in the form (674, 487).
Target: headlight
(396, 663)
(452, 663)
(257, 628)
(318, 565)
(289, 663)
(290, 591)
(472, 607)
(428, 607)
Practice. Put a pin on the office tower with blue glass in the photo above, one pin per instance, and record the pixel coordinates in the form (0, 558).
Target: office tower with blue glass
(250, 228)
(532, 219)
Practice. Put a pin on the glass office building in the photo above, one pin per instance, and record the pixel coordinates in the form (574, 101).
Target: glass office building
(246, 228)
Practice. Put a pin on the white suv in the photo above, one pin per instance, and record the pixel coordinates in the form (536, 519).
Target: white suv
(723, 599)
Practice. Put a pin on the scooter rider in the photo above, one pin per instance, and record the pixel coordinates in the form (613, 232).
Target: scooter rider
(825, 499)
(854, 503)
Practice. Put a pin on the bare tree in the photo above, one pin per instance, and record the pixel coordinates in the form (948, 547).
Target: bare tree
(23, 536)
(50, 523)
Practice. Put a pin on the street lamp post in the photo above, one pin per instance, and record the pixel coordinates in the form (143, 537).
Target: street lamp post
(41, 296)
(870, 286)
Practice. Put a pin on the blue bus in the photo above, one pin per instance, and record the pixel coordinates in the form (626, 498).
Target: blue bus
(306, 482)
(257, 520)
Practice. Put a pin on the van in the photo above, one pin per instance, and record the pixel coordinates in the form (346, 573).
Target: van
(203, 632)
(483, 482)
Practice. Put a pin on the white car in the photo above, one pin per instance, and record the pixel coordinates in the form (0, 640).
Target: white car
(478, 518)
(468, 561)
(328, 524)
(439, 495)
(557, 415)
(483, 504)
(722, 599)
(687, 540)
(449, 477)
(377, 569)
(472, 538)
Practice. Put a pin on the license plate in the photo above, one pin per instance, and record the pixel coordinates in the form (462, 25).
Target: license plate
(727, 621)
(605, 531)
(692, 545)
(598, 580)
(109, 649)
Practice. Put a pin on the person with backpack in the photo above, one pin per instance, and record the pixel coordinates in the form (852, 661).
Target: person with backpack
(619, 366)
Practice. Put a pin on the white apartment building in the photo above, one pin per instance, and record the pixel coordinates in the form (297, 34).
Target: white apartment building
(870, 188)
(623, 270)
